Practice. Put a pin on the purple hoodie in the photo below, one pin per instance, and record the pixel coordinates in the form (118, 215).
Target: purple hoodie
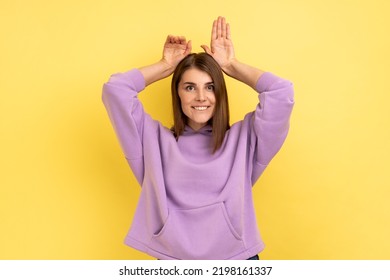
(195, 204)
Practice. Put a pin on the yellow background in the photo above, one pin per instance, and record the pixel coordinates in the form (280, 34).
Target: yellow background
(66, 190)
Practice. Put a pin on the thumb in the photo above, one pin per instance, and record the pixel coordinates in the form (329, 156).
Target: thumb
(206, 49)
(188, 48)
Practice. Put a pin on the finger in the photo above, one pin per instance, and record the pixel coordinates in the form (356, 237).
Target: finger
(214, 31)
(228, 34)
(171, 39)
(219, 28)
(223, 27)
(168, 40)
(188, 48)
(206, 49)
(182, 40)
(174, 39)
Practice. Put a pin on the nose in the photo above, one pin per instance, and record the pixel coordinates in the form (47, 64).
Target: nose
(201, 95)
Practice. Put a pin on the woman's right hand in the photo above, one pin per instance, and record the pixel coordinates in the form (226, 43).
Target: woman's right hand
(175, 49)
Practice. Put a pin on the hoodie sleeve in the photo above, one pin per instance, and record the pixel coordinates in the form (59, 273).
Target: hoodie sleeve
(127, 115)
(271, 119)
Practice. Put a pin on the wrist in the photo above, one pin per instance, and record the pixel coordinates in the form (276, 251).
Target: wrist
(165, 67)
(230, 68)
(156, 72)
(243, 72)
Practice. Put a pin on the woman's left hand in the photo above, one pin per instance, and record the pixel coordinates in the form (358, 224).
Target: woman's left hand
(221, 46)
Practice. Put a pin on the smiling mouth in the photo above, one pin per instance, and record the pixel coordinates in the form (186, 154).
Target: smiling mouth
(200, 108)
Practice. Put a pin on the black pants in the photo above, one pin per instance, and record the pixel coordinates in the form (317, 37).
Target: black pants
(255, 257)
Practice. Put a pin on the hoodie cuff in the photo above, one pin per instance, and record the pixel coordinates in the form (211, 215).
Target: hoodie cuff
(266, 81)
(136, 77)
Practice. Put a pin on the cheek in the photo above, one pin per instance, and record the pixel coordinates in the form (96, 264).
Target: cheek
(213, 100)
(183, 102)
(185, 107)
(212, 97)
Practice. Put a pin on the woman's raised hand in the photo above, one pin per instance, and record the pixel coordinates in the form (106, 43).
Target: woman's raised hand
(175, 49)
(221, 45)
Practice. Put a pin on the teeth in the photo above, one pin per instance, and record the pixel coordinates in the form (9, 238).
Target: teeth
(200, 108)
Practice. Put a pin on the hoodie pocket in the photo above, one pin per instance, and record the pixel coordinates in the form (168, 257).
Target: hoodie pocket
(200, 233)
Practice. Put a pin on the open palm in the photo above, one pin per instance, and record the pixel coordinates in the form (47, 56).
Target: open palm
(221, 45)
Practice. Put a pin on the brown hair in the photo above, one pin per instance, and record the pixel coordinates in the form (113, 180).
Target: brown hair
(220, 119)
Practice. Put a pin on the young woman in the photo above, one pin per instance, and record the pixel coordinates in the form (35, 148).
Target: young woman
(197, 177)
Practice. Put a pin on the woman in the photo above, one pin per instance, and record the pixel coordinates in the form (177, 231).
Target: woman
(196, 198)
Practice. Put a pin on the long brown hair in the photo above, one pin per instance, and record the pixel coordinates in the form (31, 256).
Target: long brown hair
(220, 119)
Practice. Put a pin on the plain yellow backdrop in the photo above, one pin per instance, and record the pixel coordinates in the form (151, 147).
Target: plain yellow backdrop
(66, 191)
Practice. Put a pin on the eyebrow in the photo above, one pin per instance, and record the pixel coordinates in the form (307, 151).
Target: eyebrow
(194, 84)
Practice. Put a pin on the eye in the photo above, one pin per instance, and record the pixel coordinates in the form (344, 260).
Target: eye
(190, 88)
(210, 88)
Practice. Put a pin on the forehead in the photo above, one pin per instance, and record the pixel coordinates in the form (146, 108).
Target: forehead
(194, 75)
